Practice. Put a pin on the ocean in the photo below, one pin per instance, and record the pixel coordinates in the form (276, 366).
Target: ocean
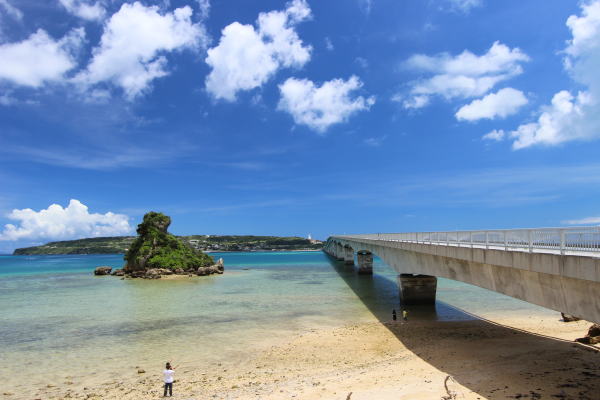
(60, 323)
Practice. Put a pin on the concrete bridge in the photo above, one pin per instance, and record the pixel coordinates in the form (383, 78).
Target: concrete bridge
(556, 268)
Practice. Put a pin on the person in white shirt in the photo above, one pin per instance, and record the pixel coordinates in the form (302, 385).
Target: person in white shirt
(168, 378)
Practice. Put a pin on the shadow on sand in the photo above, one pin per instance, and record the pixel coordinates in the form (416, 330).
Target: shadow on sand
(493, 360)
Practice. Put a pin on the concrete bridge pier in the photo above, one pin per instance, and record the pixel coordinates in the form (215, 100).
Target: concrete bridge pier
(417, 289)
(339, 252)
(365, 262)
(348, 255)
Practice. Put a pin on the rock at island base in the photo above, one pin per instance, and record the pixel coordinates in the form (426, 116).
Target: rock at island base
(103, 270)
(118, 272)
(569, 318)
(592, 337)
(217, 268)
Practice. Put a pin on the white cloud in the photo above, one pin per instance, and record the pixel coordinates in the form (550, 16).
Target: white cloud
(375, 141)
(321, 107)
(56, 223)
(583, 221)
(572, 116)
(463, 76)
(84, 9)
(204, 8)
(39, 58)
(329, 44)
(497, 135)
(366, 6)
(134, 44)
(564, 120)
(246, 58)
(501, 104)
(11, 10)
(464, 5)
(362, 62)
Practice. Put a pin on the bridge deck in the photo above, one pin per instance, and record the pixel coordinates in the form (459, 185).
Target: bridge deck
(580, 241)
(587, 253)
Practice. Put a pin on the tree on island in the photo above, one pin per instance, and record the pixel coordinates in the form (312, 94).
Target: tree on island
(155, 248)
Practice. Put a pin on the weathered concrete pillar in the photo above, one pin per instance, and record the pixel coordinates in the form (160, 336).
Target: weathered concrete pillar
(365, 262)
(417, 289)
(339, 252)
(348, 255)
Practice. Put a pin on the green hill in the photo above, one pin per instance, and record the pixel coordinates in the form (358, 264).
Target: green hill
(120, 244)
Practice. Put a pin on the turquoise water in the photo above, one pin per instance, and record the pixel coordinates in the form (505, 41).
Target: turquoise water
(59, 322)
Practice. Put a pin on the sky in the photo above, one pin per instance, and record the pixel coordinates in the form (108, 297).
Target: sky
(297, 117)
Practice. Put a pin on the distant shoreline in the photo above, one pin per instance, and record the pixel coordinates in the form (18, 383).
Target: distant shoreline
(207, 251)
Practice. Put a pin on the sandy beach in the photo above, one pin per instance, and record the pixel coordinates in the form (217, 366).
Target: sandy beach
(496, 358)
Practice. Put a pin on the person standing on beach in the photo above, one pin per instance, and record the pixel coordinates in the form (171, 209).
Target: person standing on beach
(168, 378)
(405, 315)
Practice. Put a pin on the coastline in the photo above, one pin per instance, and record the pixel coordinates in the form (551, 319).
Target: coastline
(498, 357)
(204, 251)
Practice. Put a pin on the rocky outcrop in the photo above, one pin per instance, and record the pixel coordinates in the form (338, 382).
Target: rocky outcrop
(118, 272)
(103, 270)
(217, 268)
(592, 337)
(155, 252)
(569, 318)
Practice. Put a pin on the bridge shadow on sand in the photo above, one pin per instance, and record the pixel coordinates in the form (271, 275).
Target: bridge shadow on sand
(493, 360)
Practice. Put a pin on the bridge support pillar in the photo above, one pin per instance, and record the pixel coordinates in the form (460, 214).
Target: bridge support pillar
(365, 262)
(339, 252)
(417, 289)
(348, 255)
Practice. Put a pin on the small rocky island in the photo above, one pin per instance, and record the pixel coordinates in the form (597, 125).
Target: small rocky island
(156, 252)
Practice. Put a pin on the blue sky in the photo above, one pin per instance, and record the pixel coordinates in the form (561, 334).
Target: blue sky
(290, 118)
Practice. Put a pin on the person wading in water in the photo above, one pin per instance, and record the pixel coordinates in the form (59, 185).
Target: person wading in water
(168, 378)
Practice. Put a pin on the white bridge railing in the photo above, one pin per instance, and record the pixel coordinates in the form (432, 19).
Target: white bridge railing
(580, 239)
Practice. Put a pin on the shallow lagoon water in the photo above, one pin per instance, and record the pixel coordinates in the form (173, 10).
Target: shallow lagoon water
(59, 322)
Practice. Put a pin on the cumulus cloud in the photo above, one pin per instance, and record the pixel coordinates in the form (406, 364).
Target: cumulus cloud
(84, 9)
(496, 134)
(320, 107)
(11, 10)
(134, 44)
(465, 75)
(563, 120)
(247, 57)
(501, 104)
(571, 116)
(39, 58)
(58, 223)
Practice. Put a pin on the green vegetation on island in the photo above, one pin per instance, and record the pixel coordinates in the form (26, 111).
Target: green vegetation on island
(99, 245)
(157, 248)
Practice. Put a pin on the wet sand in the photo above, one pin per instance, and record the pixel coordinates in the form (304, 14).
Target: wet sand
(497, 358)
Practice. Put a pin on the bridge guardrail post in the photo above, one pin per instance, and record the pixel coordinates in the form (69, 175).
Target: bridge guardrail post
(562, 241)
(530, 239)
(505, 241)
(487, 243)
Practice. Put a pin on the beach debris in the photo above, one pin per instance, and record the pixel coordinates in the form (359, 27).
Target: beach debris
(349, 395)
(450, 395)
(569, 317)
(102, 270)
(592, 337)
(141, 371)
